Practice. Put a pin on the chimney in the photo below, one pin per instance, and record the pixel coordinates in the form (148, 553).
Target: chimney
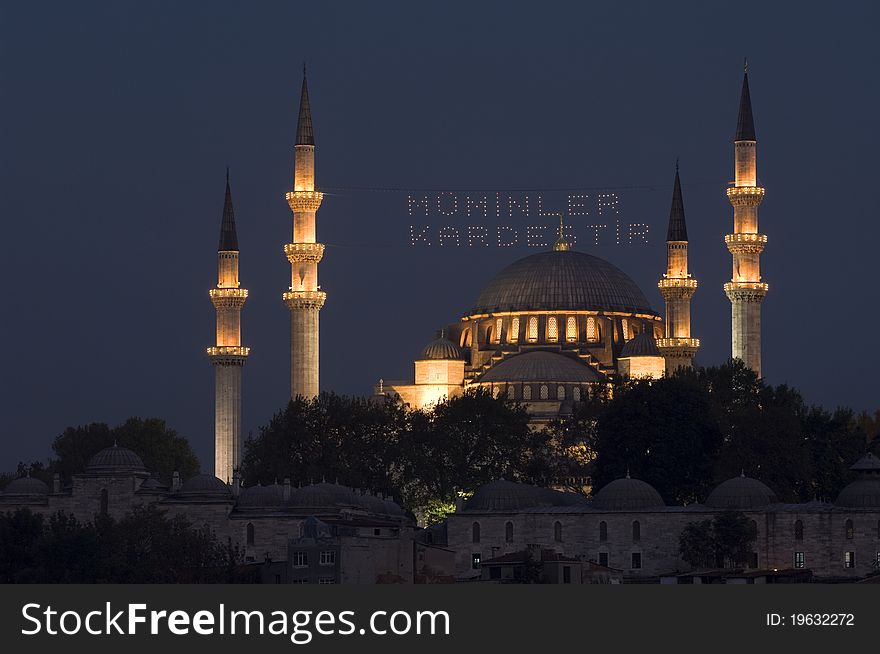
(175, 482)
(236, 482)
(56, 483)
(285, 493)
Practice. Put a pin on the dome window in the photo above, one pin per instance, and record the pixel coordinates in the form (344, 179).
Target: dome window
(532, 334)
(527, 392)
(545, 392)
(592, 332)
(513, 334)
(497, 334)
(560, 392)
(552, 329)
(571, 329)
(511, 392)
(576, 393)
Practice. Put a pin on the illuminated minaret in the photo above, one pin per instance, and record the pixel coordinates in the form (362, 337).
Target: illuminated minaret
(677, 288)
(228, 355)
(304, 297)
(745, 290)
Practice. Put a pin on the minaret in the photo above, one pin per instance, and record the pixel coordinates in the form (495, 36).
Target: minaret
(304, 297)
(745, 290)
(228, 355)
(677, 288)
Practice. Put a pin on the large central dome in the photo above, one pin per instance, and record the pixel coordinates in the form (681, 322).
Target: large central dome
(562, 281)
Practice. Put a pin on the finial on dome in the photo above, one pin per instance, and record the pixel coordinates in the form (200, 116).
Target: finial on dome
(742, 472)
(627, 474)
(561, 244)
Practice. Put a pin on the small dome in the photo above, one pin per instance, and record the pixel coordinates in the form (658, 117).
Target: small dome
(262, 496)
(868, 464)
(441, 348)
(115, 460)
(643, 345)
(860, 494)
(322, 495)
(207, 486)
(503, 495)
(627, 494)
(539, 366)
(26, 486)
(153, 484)
(740, 493)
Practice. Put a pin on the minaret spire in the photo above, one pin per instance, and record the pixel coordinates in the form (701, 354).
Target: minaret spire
(228, 355)
(677, 288)
(304, 297)
(745, 290)
(561, 244)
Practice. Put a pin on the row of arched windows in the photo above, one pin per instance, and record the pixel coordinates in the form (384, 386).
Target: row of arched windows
(543, 393)
(848, 527)
(636, 531)
(553, 331)
(557, 531)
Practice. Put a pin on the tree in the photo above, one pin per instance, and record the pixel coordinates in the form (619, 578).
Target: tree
(161, 449)
(726, 540)
(697, 544)
(835, 441)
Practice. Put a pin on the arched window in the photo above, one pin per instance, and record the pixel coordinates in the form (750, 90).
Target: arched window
(527, 392)
(560, 392)
(511, 392)
(592, 334)
(637, 531)
(849, 529)
(497, 390)
(105, 501)
(545, 392)
(624, 327)
(571, 329)
(603, 531)
(532, 334)
(250, 533)
(798, 529)
(552, 329)
(475, 532)
(557, 531)
(508, 532)
(498, 324)
(576, 393)
(489, 334)
(513, 334)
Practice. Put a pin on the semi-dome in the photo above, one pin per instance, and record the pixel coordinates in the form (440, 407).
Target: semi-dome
(261, 496)
(627, 494)
(26, 486)
(643, 345)
(204, 487)
(562, 280)
(538, 366)
(864, 492)
(503, 495)
(115, 459)
(741, 493)
(441, 348)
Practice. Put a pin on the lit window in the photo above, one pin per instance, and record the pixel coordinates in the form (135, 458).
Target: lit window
(592, 335)
(475, 532)
(636, 561)
(328, 558)
(533, 329)
(624, 326)
(637, 531)
(798, 529)
(498, 324)
(527, 392)
(571, 329)
(552, 329)
(557, 531)
(326, 580)
(560, 392)
(508, 532)
(475, 560)
(511, 392)
(603, 531)
(849, 560)
(300, 559)
(513, 335)
(250, 534)
(799, 561)
(576, 393)
(545, 392)
(849, 529)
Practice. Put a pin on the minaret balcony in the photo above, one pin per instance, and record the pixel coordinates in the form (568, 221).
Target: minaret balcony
(678, 347)
(228, 354)
(300, 201)
(746, 291)
(304, 252)
(228, 298)
(746, 243)
(745, 196)
(297, 300)
(677, 282)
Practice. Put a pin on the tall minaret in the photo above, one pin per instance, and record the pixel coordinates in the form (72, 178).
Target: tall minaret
(304, 299)
(677, 288)
(228, 355)
(745, 290)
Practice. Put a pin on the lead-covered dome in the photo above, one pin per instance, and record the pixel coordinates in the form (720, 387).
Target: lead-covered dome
(204, 487)
(115, 460)
(441, 349)
(643, 345)
(628, 494)
(26, 486)
(503, 495)
(562, 281)
(864, 492)
(741, 493)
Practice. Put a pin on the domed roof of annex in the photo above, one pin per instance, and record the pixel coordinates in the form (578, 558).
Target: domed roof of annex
(503, 495)
(204, 486)
(26, 486)
(261, 496)
(864, 492)
(540, 366)
(115, 459)
(627, 494)
(741, 493)
(562, 280)
(442, 349)
(328, 496)
(643, 345)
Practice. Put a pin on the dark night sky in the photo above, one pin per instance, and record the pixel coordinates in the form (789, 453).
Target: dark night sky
(118, 120)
